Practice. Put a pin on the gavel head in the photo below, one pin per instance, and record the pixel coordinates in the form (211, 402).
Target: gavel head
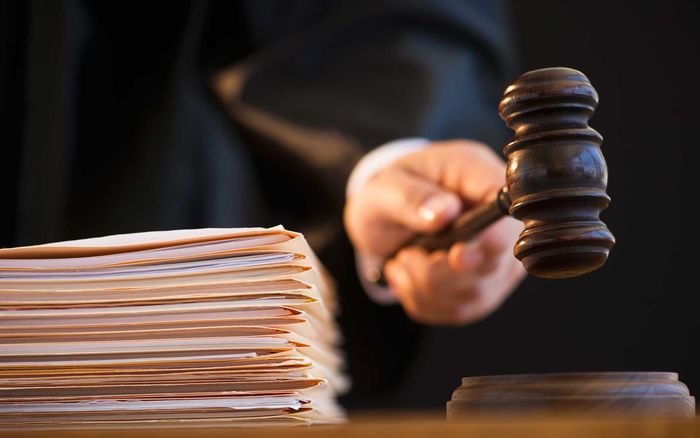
(556, 174)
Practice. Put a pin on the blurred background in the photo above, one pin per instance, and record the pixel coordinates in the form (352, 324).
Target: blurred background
(105, 118)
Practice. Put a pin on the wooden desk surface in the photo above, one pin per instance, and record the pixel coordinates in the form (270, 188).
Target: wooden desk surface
(422, 425)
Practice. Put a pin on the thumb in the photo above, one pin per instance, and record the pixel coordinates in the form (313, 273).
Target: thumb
(412, 201)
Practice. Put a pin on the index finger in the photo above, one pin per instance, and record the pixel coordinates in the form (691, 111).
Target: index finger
(469, 168)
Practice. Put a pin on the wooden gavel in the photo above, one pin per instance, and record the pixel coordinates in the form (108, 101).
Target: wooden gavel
(556, 179)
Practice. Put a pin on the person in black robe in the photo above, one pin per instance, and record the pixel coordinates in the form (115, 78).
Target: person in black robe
(129, 117)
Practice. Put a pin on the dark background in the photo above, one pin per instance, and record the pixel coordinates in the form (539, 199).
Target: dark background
(640, 312)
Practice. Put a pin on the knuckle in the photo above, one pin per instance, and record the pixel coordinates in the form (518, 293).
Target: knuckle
(431, 289)
(424, 299)
(432, 279)
(434, 270)
(489, 267)
(408, 255)
(415, 196)
(383, 177)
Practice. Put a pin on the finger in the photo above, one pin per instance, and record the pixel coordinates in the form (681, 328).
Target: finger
(464, 299)
(419, 306)
(394, 206)
(493, 290)
(465, 256)
(500, 236)
(369, 231)
(433, 278)
(439, 295)
(402, 285)
(471, 257)
(484, 253)
(468, 168)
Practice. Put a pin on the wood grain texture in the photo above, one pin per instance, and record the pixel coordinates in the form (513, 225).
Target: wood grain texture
(635, 394)
(417, 424)
(556, 174)
(555, 182)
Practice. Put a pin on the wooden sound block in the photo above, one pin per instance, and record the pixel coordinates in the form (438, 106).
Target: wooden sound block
(648, 394)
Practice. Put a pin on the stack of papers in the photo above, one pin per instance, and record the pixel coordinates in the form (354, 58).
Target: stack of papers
(187, 328)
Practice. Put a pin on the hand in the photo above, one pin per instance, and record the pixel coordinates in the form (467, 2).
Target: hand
(422, 193)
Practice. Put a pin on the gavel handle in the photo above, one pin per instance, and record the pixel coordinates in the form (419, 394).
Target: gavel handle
(463, 228)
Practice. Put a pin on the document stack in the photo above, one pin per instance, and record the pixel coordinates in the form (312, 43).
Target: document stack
(175, 329)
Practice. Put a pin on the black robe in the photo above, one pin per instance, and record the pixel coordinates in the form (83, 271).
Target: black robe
(125, 117)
